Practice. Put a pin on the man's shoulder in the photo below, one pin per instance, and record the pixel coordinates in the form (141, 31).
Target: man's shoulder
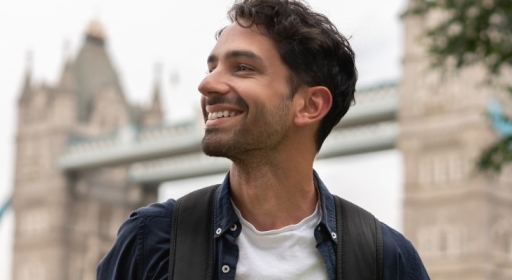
(394, 240)
(141, 248)
(155, 210)
(400, 258)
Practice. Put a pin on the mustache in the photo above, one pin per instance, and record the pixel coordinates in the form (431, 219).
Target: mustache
(223, 99)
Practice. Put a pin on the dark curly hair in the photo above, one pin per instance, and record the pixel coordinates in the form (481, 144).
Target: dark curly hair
(312, 48)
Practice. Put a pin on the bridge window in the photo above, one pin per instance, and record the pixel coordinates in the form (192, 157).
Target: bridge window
(442, 241)
(441, 169)
(32, 270)
(34, 221)
(501, 234)
(104, 220)
(79, 218)
(76, 267)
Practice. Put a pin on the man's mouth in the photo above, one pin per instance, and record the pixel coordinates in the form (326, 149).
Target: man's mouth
(222, 114)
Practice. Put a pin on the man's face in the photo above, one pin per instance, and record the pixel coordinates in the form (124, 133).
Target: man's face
(246, 100)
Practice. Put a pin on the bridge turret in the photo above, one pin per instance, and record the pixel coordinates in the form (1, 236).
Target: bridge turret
(449, 209)
(154, 114)
(66, 221)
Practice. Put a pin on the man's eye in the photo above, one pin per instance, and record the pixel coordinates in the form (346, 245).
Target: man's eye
(243, 68)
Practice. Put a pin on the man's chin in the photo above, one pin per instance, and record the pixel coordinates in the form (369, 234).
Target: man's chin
(213, 152)
(214, 149)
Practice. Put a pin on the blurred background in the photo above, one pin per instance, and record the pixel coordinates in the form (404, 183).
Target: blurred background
(78, 167)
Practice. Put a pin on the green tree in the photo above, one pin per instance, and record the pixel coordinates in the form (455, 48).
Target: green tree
(474, 31)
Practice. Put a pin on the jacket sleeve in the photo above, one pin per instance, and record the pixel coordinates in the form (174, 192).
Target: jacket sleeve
(400, 258)
(141, 249)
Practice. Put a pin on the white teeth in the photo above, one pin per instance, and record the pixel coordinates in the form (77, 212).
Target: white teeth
(225, 114)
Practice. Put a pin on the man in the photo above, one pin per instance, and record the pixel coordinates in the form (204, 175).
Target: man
(280, 78)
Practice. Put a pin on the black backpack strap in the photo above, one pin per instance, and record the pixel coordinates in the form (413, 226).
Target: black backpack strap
(359, 249)
(191, 247)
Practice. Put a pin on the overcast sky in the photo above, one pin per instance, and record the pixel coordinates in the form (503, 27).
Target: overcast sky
(179, 35)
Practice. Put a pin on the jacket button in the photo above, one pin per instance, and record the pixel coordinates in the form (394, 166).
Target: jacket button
(333, 235)
(233, 227)
(218, 231)
(225, 268)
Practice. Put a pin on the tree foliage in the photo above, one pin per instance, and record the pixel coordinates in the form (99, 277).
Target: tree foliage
(496, 156)
(472, 31)
(469, 32)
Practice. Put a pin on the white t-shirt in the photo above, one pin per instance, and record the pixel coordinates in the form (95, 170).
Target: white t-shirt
(286, 253)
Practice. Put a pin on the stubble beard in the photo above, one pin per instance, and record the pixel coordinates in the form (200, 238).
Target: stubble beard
(260, 137)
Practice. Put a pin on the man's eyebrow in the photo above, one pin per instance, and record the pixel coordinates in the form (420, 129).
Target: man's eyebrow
(236, 54)
(212, 58)
(242, 53)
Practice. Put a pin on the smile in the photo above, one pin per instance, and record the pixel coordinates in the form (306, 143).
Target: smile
(222, 114)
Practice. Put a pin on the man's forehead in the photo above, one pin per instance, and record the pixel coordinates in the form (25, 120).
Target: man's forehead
(241, 24)
(236, 37)
(235, 28)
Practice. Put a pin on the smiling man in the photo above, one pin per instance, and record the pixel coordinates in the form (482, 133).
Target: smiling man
(280, 78)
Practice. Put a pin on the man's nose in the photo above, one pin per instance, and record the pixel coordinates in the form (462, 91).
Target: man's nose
(215, 82)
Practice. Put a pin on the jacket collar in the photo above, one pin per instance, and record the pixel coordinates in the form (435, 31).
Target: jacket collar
(225, 216)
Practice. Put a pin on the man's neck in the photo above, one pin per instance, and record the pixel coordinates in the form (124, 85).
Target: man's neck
(273, 194)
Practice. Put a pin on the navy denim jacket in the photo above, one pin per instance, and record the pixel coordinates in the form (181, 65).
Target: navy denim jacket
(141, 250)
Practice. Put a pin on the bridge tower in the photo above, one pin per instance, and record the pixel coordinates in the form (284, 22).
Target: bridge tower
(65, 222)
(459, 219)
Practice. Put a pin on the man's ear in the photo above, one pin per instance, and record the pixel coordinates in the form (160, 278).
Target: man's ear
(313, 104)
